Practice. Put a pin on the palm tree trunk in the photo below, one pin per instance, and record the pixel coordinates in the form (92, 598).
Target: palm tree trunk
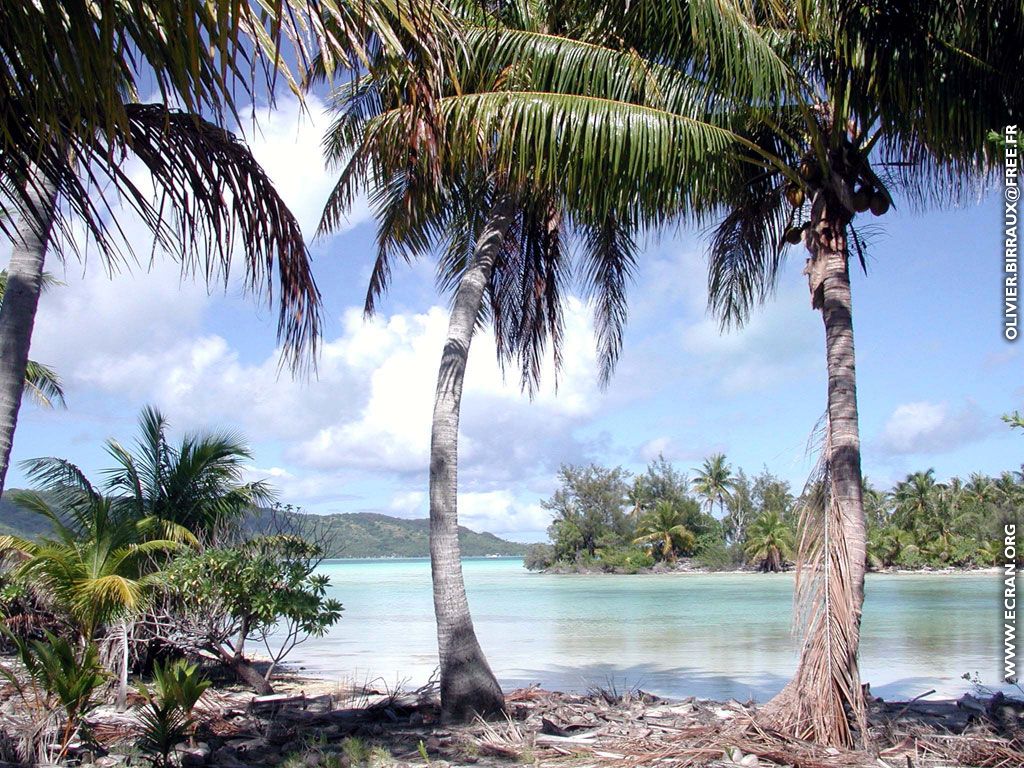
(468, 687)
(18, 311)
(122, 690)
(824, 701)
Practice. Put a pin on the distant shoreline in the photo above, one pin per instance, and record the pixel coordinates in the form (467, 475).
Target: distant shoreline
(663, 571)
(695, 571)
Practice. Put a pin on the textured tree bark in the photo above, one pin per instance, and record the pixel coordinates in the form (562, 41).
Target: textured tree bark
(18, 311)
(248, 674)
(818, 705)
(843, 417)
(468, 687)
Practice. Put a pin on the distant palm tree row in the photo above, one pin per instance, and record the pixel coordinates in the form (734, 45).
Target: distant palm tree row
(604, 520)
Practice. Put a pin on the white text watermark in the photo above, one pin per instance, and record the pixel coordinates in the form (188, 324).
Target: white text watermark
(1010, 603)
(1011, 196)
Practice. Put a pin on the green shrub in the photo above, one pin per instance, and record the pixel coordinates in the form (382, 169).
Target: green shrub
(61, 678)
(712, 553)
(628, 559)
(538, 557)
(910, 557)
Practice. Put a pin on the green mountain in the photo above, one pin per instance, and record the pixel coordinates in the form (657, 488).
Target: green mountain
(15, 521)
(357, 534)
(367, 534)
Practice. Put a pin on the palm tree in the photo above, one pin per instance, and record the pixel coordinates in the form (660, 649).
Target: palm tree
(504, 253)
(69, 82)
(42, 383)
(714, 481)
(887, 544)
(822, 113)
(769, 542)
(755, 117)
(663, 529)
(197, 484)
(915, 499)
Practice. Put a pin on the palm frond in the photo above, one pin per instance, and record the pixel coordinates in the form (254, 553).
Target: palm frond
(44, 385)
(609, 261)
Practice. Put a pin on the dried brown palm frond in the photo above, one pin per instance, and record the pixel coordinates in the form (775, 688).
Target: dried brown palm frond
(824, 702)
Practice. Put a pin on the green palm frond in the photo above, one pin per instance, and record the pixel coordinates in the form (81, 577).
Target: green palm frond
(44, 385)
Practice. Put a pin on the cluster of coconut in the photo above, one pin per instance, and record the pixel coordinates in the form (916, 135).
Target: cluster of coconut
(865, 198)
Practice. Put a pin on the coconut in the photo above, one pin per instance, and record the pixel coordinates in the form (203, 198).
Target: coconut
(879, 204)
(862, 199)
(794, 235)
(795, 195)
(810, 171)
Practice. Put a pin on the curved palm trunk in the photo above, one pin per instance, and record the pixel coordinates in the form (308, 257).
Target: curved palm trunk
(824, 702)
(18, 311)
(468, 687)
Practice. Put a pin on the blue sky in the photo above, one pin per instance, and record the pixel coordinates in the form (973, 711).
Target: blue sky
(934, 371)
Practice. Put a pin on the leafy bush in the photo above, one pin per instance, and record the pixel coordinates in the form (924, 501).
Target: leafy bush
(712, 553)
(538, 557)
(225, 597)
(629, 560)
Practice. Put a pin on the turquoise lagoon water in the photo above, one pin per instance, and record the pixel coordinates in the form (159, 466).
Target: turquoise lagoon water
(708, 635)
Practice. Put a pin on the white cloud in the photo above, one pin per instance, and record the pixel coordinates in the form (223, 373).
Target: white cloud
(928, 428)
(669, 448)
(501, 513)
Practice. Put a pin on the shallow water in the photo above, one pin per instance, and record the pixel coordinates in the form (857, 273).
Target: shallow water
(709, 635)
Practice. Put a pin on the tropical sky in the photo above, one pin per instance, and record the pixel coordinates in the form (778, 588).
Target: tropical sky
(934, 371)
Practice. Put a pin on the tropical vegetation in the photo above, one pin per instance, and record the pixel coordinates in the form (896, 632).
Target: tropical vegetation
(499, 137)
(161, 562)
(604, 519)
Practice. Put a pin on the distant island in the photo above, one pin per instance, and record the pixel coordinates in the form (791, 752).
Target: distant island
(348, 535)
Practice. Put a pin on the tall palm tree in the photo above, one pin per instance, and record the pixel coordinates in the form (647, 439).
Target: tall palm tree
(503, 254)
(68, 80)
(42, 383)
(805, 116)
(769, 542)
(713, 482)
(664, 530)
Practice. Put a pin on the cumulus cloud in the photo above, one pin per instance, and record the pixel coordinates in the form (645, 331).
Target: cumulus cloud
(928, 428)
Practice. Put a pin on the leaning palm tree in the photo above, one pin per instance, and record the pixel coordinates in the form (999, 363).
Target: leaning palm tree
(806, 115)
(503, 254)
(69, 73)
(713, 482)
(664, 530)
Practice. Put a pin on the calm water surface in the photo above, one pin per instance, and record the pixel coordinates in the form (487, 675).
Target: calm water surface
(708, 635)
